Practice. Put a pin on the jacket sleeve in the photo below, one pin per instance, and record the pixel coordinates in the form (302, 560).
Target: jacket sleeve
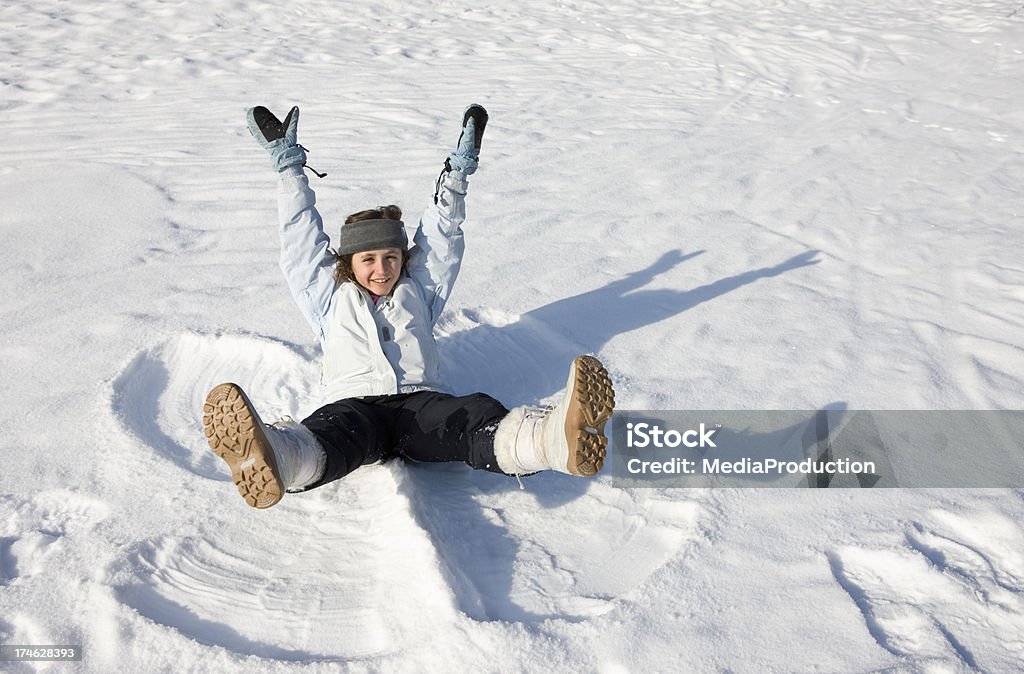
(438, 245)
(307, 263)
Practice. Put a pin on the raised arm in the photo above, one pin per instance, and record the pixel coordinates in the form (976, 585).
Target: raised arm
(307, 263)
(438, 245)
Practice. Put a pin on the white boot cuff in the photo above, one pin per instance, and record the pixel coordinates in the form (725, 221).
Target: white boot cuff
(505, 441)
(312, 462)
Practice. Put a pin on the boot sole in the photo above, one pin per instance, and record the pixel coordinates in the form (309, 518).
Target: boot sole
(235, 433)
(593, 404)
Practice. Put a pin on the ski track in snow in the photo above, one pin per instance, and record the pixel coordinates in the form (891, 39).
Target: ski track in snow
(735, 205)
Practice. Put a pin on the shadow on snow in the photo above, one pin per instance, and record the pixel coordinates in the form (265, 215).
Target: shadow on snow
(522, 363)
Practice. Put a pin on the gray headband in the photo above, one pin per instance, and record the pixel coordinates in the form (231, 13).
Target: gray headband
(372, 235)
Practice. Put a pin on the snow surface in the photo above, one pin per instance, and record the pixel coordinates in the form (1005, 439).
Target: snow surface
(735, 205)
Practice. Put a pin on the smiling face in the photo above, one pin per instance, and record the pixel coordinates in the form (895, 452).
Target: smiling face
(377, 270)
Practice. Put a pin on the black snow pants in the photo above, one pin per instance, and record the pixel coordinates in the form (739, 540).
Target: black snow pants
(420, 426)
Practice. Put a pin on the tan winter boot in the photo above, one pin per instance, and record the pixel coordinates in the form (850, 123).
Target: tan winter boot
(265, 461)
(568, 437)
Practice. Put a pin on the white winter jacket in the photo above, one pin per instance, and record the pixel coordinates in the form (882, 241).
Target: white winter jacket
(373, 349)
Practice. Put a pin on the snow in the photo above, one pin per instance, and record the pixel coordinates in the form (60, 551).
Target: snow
(764, 205)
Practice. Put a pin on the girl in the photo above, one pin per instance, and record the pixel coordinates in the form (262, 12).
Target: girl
(373, 303)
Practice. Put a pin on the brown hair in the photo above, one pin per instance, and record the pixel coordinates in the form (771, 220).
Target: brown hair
(343, 268)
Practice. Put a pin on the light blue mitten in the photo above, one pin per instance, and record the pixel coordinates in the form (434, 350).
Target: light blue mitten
(467, 152)
(278, 138)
